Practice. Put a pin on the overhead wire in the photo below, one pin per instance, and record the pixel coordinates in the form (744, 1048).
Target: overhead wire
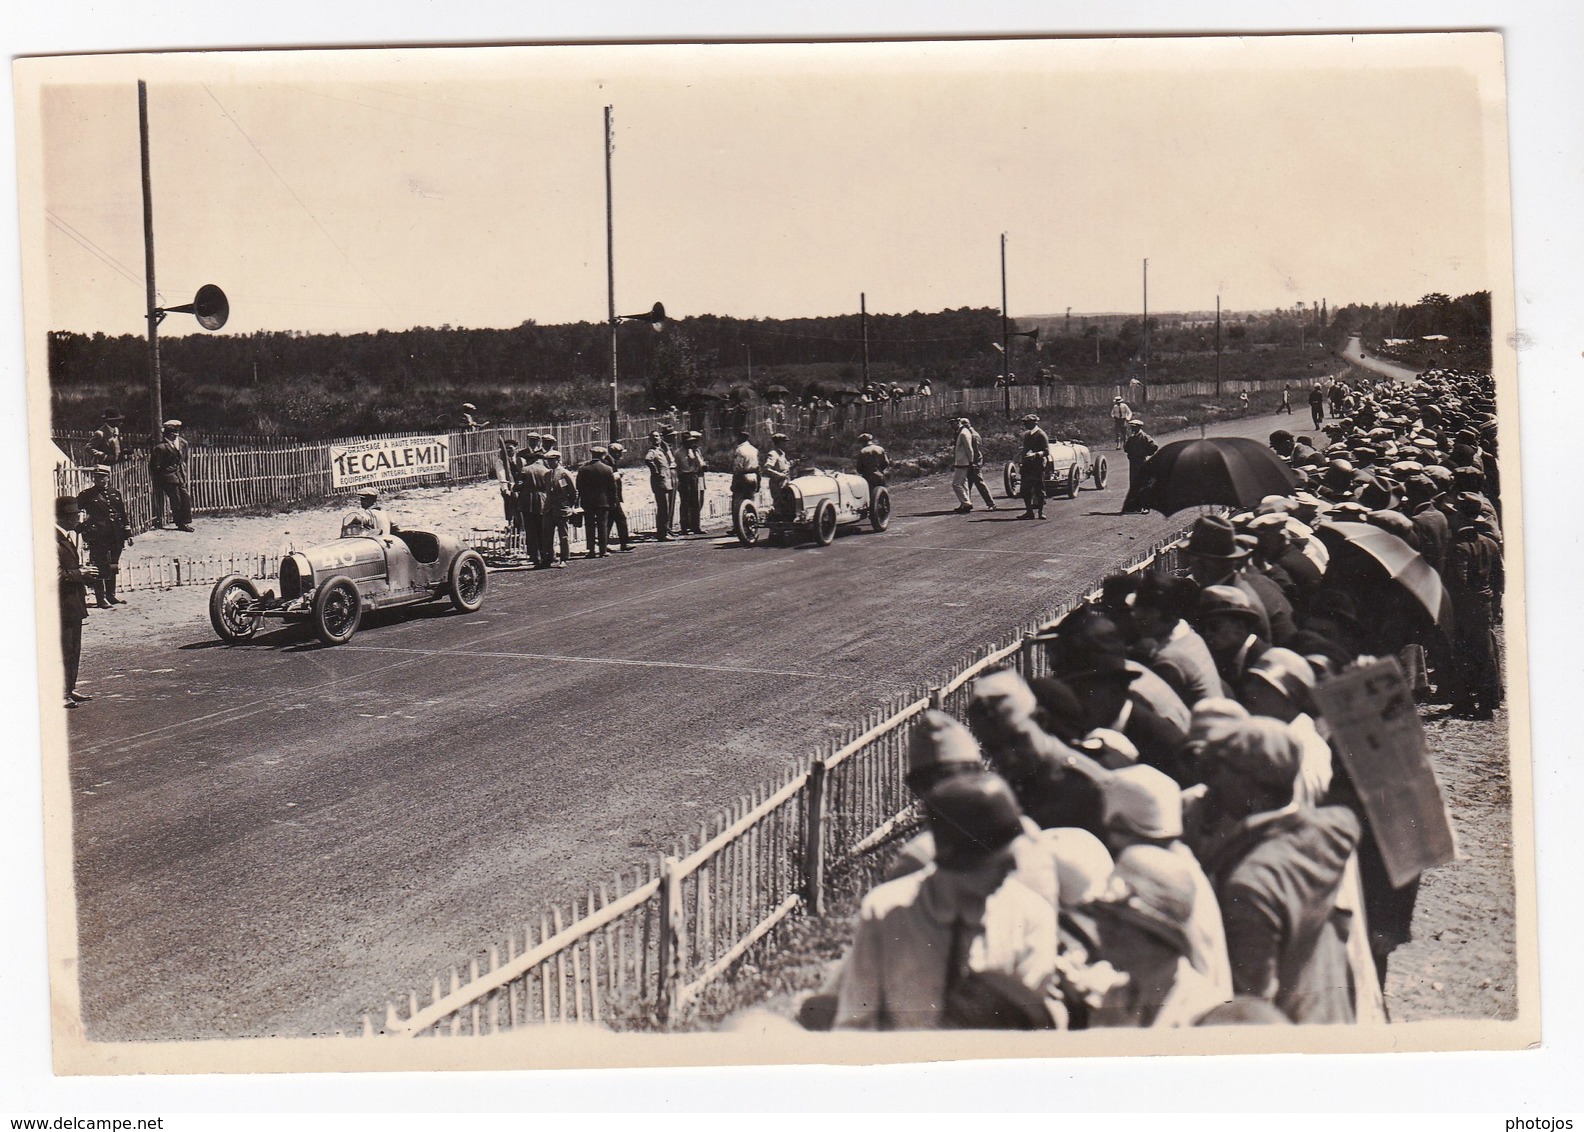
(92, 248)
(301, 204)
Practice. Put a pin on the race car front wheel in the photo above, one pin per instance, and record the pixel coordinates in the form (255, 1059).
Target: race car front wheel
(1100, 473)
(748, 522)
(466, 581)
(337, 610)
(825, 523)
(1012, 480)
(228, 603)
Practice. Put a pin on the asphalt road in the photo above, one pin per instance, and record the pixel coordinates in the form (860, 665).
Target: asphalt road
(1354, 352)
(274, 838)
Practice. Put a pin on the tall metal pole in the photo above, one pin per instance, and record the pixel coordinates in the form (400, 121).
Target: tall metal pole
(1144, 395)
(750, 361)
(610, 277)
(863, 319)
(1218, 346)
(1006, 339)
(156, 408)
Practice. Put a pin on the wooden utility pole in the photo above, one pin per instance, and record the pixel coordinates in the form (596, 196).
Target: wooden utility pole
(863, 319)
(610, 278)
(1144, 395)
(1006, 339)
(1218, 346)
(156, 407)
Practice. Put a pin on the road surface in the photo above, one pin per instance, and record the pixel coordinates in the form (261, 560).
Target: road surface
(274, 838)
(1354, 353)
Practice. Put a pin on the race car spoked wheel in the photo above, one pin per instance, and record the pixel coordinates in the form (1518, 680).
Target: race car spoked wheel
(1012, 480)
(337, 610)
(466, 581)
(1101, 471)
(825, 523)
(748, 522)
(880, 509)
(228, 603)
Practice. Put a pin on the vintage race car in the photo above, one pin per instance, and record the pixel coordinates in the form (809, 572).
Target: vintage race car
(814, 503)
(332, 585)
(1070, 464)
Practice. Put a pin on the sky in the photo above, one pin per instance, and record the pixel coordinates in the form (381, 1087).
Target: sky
(342, 191)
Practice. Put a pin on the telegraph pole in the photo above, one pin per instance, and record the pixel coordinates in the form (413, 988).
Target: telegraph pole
(610, 277)
(1218, 346)
(156, 408)
(1144, 398)
(1006, 340)
(863, 319)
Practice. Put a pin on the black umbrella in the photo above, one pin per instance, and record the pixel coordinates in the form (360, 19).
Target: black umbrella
(1230, 470)
(1401, 563)
(772, 391)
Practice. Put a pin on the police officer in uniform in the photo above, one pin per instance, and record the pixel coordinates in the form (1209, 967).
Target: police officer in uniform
(1032, 466)
(872, 462)
(105, 531)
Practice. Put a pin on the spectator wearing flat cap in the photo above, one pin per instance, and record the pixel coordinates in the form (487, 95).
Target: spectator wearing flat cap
(1215, 558)
(533, 499)
(506, 481)
(106, 530)
(1430, 524)
(618, 514)
(1166, 642)
(1144, 922)
(691, 466)
(71, 576)
(561, 503)
(967, 459)
(662, 482)
(1138, 448)
(966, 922)
(872, 462)
(1229, 624)
(1279, 555)
(596, 489)
(1276, 867)
(168, 474)
(1033, 466)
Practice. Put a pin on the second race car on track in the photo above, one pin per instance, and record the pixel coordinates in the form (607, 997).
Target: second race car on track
(333, 584)
(1070, 464)
(814, 503)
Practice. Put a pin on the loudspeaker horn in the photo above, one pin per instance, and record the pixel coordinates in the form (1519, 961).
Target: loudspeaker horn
(209, 306)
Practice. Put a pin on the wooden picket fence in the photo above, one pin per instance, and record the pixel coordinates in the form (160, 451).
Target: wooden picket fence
(640, 951)
(229, 473)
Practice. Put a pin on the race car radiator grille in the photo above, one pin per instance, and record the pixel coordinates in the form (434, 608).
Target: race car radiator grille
(291, 579)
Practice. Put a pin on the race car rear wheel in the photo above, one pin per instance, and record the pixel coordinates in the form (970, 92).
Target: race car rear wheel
(465, 581)
(1012, 480)
(825, 523)
(748, 526)
(337, 610)
(880, 509)
(1101, 471)
(226, 609)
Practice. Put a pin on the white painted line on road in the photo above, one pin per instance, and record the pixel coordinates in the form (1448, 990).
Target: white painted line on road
(607, 660)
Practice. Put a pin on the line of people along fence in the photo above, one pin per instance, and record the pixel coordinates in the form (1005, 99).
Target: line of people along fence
(645, 949)
(226, 476)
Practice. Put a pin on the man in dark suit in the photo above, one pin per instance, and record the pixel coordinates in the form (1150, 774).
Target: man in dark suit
(71, 576)
(1138, 448)
(618, 513)
(168, 471)
(596, 487)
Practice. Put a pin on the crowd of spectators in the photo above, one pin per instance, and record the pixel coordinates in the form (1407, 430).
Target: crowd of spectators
(1163, 831)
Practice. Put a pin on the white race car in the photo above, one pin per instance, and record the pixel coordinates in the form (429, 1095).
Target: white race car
(1070, 464)
(815, 503)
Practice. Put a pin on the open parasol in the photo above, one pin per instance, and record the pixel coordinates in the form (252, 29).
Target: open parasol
(1401, 562)
(1229, 470)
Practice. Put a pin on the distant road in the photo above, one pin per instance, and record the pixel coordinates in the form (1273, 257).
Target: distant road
(1354, 352)
(272, 838)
